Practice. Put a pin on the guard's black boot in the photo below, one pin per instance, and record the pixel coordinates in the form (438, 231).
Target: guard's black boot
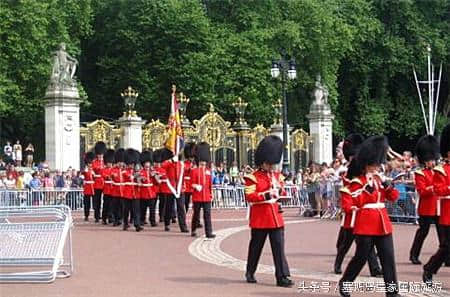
(284, 282)
(250, 278)
(342, 291)
(415, 260)
(427, 277)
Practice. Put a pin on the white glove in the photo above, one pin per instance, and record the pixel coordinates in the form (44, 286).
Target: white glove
(198, 188)
(274, 193)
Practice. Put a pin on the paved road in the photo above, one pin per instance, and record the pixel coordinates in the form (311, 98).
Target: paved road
(110, 262)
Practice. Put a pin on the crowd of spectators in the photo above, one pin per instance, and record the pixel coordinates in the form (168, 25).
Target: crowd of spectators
(40, 177)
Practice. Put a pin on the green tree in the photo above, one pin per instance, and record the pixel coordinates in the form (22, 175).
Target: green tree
(30, 31)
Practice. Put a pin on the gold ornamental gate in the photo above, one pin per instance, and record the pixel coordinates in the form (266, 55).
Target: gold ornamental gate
(228, 144)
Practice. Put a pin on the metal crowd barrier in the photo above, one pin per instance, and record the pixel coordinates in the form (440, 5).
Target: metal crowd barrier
(226, 196)
(233, 196)
(404, 210)
(35, 244)
(229, 197)
(73, 198)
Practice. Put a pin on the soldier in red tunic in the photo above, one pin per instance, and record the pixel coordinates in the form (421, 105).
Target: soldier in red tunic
(175, 176)
(162, 190)
(88, 183)
(262, 190)
(427, 151)
(107, 186)
(202, 189)
(188, 165)
(130, 201)
(441, 180)
(147, 189)
(372, 224)
(117, 186)
(97, 166)
(346, 237)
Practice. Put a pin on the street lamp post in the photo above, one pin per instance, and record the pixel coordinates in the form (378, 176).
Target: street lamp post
(285, 67)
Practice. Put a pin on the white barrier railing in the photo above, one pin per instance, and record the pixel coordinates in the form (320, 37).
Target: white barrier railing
(224, 197)
(73, 198)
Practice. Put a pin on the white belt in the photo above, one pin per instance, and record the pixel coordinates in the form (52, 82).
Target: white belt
(378, 205)
(108, 182)
(250, 204)
(187, 177)
(88, 182)
(129, 184)
(374, 205)
(118, 184)
(97, 175)
(438, 206)
(146, 185)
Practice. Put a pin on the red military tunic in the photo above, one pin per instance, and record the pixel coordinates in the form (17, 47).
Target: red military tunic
(117, 186)
(262, 215)
(346, 203)
(201, 176)
(88, 182)
(174, 171)
(108, 183)
(441, 180)
(146, 188)
(162, 188)
(128, 184)
(371, 218)
(97, 166)
(188, 166)
(424, 186)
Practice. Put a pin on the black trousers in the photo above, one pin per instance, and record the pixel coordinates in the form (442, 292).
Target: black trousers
(169, 204)
(424, 227)
(150, 204)
(343, 245)
(161, 206)
(442, 254)
(257, 240)
(131, 207)
(175, 209)
(116, 206)
(87, 205)
(106, 210)
(385, 248)
(187, 200)
(96, 203)
(197, 206)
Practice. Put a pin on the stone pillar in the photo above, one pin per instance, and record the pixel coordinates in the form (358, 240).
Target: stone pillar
(320, 130)
(62, 127)
(321, 124)
(131, 126)
(242, 142)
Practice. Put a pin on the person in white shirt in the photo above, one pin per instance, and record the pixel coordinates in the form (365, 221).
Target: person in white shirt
(8, 151)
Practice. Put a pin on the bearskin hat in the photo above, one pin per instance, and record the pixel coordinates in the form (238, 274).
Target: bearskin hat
(372, 151)
(188, 150)
(351, 145)
(445, 141)
(119, 156)
(202, 152)
(89, 157)
(109, 156)
(131, 156)
(427, 148)
(354, 169)
(100, 148)
(146, 156)
(269, 150)
(157, 156)
(166, 154)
